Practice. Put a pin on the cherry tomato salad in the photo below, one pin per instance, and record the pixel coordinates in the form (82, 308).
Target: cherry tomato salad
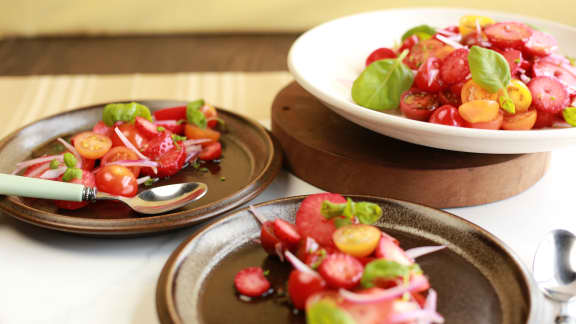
(131, 146)
(480, 74)
(345, 269)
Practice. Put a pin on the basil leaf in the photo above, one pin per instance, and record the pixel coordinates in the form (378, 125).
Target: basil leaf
(194, 115)
(339, 222)
(330, 210)
(326, 311)
(367, 212)
(70, 160)
(382, 83)
(422, 31)
(54, 164)
(489, 69)
(569, 114)
(507, 104)
(383, 269)
(125, 112)
(71, 174)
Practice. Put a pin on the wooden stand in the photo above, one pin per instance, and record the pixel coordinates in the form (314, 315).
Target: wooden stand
(337, 155)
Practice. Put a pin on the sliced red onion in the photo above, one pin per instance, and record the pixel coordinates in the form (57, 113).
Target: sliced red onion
(378, 294)
(299, 265)
(430, 303)
(135, 163)
(257, 215)
(53, 173)
(190, 156)
(311, 245)
(423, 250)
(24, 164)
(422, 315)
(171, 122)
(278, 248)
(72, 150)
(129, 144)
(39, 170)
(196, 141)
(450, 42)
(142, 179)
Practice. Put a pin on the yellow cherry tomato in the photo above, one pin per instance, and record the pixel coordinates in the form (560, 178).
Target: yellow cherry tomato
(358, 240)
(520, 121)
(468, 24)
(478, 111)
(92, 145)
(472, 91)
(520, 95)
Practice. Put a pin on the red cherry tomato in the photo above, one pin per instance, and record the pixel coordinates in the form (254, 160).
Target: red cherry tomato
(116, 180)
(101, 128)
(418, 105)
(269, 240)
(428, 76)
(212, 151)
(425, 49)
(211, 115)
(130, 131)
(455, 67)
(171, 113)
(121, 153)
(408, 43)
(380, 54)
(92, 145)
(448, 97)
(302, 285)
(447, 115)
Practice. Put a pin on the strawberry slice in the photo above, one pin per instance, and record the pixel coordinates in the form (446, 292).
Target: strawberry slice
(87, 180)
(311, 222)
(286, 232)
(388, 249)
(341, 270)
(251, 282)
(508, 34)
(541, 44)
(146, 127)
(558, 67)
(269, 240)
(514, 58)
(548, 94)
(159, 145)
(175, 126)
(171, 162)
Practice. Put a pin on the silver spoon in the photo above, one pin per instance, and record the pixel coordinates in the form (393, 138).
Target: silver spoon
(151, 201)
(554, 270)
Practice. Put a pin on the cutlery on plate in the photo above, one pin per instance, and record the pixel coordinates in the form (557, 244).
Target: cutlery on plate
(151, 201)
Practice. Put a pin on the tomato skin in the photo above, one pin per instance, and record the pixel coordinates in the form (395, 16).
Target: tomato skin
(380, 54)
(408, 43)
(455, 67)
(447, 115)
(132, 134)
(92, 145)
(171, 125)
(116, 180)
(211, 152)
(101, 128)
(493, 124)
(425, 49)
(120, 153)
(418, 105)
(195, 132)
(302, 285)
(358, 240)
(520, 121)
(171, 113)
(448, 97)
(268, 239)
(428, 76)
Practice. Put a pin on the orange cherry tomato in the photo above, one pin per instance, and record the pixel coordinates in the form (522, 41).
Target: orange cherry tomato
(120, 153)
(358, 240)
(195, 132)
(520, 121)
(116, 180)
(495, 123)
(472, 91)
(479, 111)
(92, 145)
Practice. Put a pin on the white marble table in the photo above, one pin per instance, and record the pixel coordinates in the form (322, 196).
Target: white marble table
(52, 277)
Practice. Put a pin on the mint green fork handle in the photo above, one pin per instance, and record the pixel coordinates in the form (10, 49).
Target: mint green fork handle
(39, 188)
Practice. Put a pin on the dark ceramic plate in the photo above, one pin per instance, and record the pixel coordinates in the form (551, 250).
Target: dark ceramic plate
(477, 278)
(251, 160)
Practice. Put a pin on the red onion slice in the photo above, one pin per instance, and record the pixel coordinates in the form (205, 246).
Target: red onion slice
(422, 315)
(72, 150)
(24, 164)
(299, 265)
(129, 144)
(257, 215)
(448, 41)
(135, 163)
(142, 180)
(39, 170)
(278, 248)
(171, 122)
(53, 173)
(196, 141)
(417, 283)
(423, 250)
(311, 245)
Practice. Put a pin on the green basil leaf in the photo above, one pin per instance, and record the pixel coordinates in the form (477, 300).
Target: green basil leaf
(54, 164)
(422, 31)
(570, 115)
(71, 174)
(340, 221)
(507, 104)
(125, 112)
(194, 115)
(367, 212)
(489, 69)
(330, 210)
(70, 160)
(383, 269)
(381, 84)
(325, 311)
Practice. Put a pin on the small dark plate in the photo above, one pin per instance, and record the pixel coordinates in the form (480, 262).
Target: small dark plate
(251, 159)
(478, 279)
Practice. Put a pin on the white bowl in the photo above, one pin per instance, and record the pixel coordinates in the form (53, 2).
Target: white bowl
(327, 59)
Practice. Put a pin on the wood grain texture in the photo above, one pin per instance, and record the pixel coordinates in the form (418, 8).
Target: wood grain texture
(336, 155)
(145, 54)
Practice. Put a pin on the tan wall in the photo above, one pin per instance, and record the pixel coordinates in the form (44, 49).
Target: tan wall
(33, 17)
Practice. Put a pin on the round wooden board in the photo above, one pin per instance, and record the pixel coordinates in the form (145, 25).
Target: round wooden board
(337, 155)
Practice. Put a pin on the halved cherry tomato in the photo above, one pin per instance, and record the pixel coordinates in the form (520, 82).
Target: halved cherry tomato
(470, 24)
(211, 151)
(195, 132)
(520, 95)
(447, 115)
(418, 105)
(408, 43)
(380, 54)
(494, 124)
(132, 134)
(472, 91)
(449, 97)
(116, 180)
(520, 121)
(358, 240)
(479, 111)
(455, 67)
(428, 76)
(425, 49)
(302, 285)
(146, 127)
(211, 115)
(101, 128)
(171, 113)
(121, 153)
(92, 145)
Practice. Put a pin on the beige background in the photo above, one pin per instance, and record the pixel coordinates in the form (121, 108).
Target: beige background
(34, 17)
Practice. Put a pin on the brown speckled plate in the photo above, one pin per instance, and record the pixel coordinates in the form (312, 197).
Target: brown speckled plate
(250, 161)
(478, 279)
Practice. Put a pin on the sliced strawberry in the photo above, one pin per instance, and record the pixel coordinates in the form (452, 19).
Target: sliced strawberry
(544, 119)
(171, 162)
(211, 152)
(514, 58)
(175, 126)
(388, 249)
(508, 34)
(159, 145)
(541, 44)
(341, 270)
(286, 232)
(171, 113)
(87, 180)
(251, 282)
(548, 94)
(146, 127)
(270, 242)
(101, 128)
(455, 67)
(311, 222)
(558, 67)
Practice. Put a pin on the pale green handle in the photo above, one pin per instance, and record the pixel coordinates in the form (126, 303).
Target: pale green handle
(39, 188)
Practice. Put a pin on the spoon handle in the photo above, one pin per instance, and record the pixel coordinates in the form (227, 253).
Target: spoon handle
(41, 188)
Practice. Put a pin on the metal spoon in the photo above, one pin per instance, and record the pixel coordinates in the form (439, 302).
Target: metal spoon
(151, 201)
(554, 270)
